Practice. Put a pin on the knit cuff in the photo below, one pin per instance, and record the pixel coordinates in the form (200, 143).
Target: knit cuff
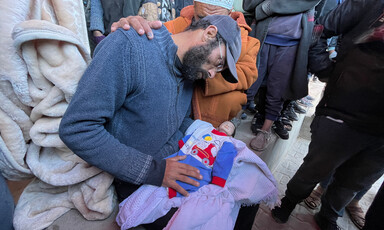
(97, 23)
(156, 173)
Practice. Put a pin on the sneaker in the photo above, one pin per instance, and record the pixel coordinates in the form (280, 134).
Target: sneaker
(279, 128)
(251, 107)
(282, 213)
(297, 107)
(324, 223)
(309, 97)
(286, 120)
(236, 122)
(289, 112)
(333, 56)
(288, 127)
(243, 116)
(305, 102)
(261, 141)
(257, 122)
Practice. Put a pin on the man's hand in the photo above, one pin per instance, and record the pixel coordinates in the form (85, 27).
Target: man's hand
(138, 23)
(174, 170)
(97, 36)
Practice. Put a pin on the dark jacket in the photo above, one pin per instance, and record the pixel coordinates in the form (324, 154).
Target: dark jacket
(264, 11)
(324, 7)
(355, 89)
(113, 10)
(180, 4)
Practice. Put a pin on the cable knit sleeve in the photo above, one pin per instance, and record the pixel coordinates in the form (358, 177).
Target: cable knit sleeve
(100, 93)
(96, 21)
(265, 9)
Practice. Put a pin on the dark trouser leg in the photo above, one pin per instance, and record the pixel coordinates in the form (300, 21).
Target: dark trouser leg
(286, 103)
(357, 173)
(262, 72)
(124, 189)
(360, 194)
(280, 66)
(324, 183)
(325, 154)
(161, 222)
(260, 105)
(332, 144)
(374, 216)
(246, 217)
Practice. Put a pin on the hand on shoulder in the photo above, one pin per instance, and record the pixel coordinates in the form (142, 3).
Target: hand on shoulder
(137, 23)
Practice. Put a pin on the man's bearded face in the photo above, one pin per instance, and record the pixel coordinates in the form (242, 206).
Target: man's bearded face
(194, 59)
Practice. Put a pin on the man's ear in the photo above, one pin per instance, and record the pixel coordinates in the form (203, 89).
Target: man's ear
(209, 33)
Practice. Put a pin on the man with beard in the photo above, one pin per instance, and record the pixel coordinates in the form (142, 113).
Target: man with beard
(132, 104)
(215, 100)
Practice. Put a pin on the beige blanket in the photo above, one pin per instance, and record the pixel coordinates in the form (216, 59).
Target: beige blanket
(43, 203)
(44, 52)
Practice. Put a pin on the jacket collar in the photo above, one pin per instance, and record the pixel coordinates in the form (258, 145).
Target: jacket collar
(168, 49)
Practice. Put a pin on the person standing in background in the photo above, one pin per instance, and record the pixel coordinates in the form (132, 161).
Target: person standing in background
(284, 29)
(348, 129)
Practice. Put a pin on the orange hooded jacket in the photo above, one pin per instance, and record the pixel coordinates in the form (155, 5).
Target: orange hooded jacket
(218, 100)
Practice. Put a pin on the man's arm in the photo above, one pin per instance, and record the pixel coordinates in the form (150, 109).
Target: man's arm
(100, 93)
(268, 8)
(96, 20)
(338, 22)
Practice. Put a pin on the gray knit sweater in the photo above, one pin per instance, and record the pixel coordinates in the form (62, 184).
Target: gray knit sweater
(131, 107)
